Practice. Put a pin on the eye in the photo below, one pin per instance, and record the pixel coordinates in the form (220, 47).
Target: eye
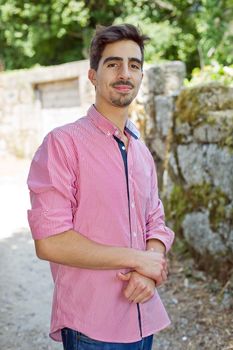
(112, 65)
(135, 66)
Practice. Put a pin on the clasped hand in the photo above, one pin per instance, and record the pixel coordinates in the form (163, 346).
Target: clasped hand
(141, 288)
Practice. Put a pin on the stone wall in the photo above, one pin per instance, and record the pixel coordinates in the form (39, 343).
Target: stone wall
(190, 133)
(33, 101)
(153, 109)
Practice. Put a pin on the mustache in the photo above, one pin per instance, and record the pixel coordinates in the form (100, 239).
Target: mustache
(122, 82)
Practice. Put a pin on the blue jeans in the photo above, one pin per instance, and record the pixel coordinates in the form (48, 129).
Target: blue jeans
(73, 340)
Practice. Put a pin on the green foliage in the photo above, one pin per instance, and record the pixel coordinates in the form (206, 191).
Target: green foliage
(163, 35)
(194, 31)
(214, 72)
(56, 31)
(171, 27)
(49, 32)
(214, 24)
(36, 32)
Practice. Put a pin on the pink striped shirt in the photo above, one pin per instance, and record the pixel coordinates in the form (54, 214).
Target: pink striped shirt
(77, 181)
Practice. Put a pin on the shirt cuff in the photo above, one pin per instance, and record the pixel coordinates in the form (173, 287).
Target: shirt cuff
(46, 223)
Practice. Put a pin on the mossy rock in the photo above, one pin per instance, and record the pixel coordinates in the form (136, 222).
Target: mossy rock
(195, 198)
(194, 102)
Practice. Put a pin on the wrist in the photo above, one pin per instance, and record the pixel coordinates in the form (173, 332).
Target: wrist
(128, 257)
(135, 257)
(156, 251)
(156, 245)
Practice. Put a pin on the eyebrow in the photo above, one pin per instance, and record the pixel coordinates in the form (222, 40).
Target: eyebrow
(116, 58)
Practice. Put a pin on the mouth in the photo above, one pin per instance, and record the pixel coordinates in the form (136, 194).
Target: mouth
(123, 88)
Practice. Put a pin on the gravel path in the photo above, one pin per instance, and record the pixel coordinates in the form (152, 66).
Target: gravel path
(25, 281)
(25, 295)
(200, 310)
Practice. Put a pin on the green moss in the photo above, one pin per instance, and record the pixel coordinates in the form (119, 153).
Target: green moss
(187, 106)
(176, 207)
(229, 142)
(196, 198)
(193, 103)
(211, 120)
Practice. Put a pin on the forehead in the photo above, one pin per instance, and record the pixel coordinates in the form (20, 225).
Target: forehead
(123, 48)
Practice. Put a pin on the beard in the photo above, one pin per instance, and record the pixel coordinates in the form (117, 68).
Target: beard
(122, 101)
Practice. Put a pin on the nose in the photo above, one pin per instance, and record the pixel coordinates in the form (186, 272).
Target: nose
(124, 72)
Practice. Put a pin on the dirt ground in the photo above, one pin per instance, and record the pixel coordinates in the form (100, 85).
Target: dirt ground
(200, 308)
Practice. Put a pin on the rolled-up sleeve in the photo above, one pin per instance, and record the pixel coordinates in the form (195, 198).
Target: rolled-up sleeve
(52, 182)
(155, 226)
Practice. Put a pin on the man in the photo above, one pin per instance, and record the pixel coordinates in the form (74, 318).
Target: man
(96, 214)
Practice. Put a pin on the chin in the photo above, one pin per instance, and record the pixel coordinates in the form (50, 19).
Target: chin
(122, 101)
(121, 104)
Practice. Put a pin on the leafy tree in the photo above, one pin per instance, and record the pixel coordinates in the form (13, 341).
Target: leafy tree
(45, 32)
(194, 31)
(50, 32)
(215, 28)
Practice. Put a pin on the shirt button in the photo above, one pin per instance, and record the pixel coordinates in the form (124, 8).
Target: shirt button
(132, 205)
(116, 132)
(134, 234)
(123, 147)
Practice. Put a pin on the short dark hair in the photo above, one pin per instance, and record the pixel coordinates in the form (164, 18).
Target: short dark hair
(111, 34)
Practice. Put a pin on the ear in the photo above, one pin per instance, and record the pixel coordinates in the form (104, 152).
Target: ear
(142, 75)
(92, 76)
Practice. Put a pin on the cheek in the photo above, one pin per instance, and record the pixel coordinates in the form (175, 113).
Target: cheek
(100, 83)
(138, 83)
(104, 81)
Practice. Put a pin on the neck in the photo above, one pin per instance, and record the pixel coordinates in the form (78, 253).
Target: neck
(117, 115)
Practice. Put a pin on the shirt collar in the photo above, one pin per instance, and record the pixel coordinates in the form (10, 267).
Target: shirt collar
(110, 129)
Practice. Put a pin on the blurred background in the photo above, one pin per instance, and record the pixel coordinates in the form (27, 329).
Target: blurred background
(52, 32)
(185, 115)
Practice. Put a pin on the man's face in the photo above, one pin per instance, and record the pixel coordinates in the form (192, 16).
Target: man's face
(119, 74)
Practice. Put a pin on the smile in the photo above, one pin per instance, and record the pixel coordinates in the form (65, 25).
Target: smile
(123, 88)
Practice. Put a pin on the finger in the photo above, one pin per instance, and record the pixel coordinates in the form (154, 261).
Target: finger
(166, 267)
(124, 277)
(164, 276)
(146, 295)
(129, 290)
(159, 281)
(137, 291)
(164, 262)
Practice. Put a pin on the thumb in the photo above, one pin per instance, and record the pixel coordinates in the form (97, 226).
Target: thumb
(124, 277)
